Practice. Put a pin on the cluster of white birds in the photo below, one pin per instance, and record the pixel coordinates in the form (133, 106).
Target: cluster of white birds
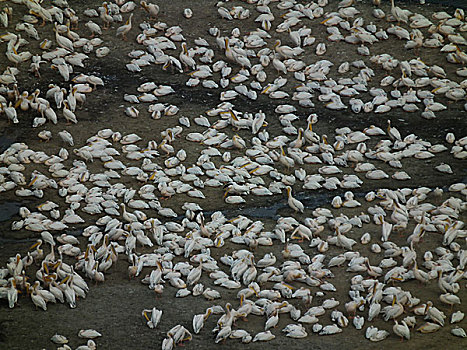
(62, 55)
(88, 334)
(114, 185)
(361, 86)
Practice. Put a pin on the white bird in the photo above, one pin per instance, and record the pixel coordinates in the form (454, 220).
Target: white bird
(295, 204)
(402, 330)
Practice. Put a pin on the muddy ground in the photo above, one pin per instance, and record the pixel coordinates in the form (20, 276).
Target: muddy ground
(114, 307)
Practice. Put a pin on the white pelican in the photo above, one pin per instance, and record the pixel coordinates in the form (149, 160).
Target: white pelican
(186, 59)
(295, 204)
(151, 9)
(393, 133)
(124, 29)
(402, 330)
(10, 112)
(450, 299)
(399, 14)
(37, 299)
(63, 41)
(89, 334)
(198, 320)
(93, 28)
(263, 336)
(68, 114)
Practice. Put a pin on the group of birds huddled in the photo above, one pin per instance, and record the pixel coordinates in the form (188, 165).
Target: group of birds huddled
(60, 52)
(212, 62)
(114, 186)
(89, 334)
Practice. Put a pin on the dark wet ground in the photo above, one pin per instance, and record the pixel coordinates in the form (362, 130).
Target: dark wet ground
(114, 307)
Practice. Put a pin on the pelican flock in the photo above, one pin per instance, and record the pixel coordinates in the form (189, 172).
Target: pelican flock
(314, 108)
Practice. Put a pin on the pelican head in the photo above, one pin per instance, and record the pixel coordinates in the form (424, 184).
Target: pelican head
(37, 244)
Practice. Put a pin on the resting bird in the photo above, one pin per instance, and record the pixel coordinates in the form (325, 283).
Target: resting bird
(152, 9)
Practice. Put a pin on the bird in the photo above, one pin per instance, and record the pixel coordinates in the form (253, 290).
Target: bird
(124, 29)
(399, 14)
(63, 41)
(68, 114)
(295, 204)
(127, 216)
(151, 9)
(186, 59)
(402, 330)
(133, 189)
(94, 28)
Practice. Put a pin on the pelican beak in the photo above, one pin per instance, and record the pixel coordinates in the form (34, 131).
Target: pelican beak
(232, 114)
(208, 314)
(146, 315)
(253, 170)
(34, 245)
(188, 337)
(167, 65)
(33, 181)
(266, 89)
(254, 291)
